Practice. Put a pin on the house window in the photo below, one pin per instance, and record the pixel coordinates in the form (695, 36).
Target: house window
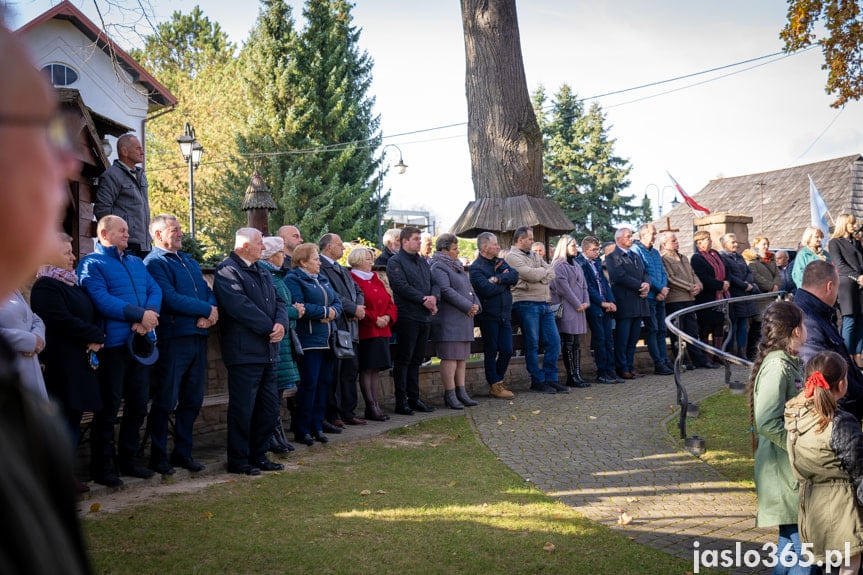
(60, 74)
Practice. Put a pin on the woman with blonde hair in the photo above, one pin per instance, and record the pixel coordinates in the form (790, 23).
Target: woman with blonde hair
(569, 290)
(811, 250)
(847, 254)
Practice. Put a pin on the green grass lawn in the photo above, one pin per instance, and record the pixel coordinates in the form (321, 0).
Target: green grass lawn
(424, 499)
(723, 422)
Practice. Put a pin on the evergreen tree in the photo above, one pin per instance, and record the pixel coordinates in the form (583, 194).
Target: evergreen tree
(581, 172)
(310, 91)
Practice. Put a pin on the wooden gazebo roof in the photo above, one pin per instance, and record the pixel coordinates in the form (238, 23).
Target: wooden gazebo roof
(506, 214)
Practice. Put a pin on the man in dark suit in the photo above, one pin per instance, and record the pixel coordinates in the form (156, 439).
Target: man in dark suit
(602, 305)
(253, 319)
(391, 246)
(342, 399)
(630, 284)
(816, 297)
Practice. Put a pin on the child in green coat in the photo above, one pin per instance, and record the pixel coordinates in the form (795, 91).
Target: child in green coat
(777, 376)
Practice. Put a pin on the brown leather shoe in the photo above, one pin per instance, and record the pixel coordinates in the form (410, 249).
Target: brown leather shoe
(627, 375)
(356, 421)
(499, 391)
(337, 423)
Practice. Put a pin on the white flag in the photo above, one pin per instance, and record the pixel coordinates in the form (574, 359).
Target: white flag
(818, 211)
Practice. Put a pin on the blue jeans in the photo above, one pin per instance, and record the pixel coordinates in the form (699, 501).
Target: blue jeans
(738, 332)
(496, 348)
(852, 333)
(625, 339)
(181, 372)
(655, 332)
(537, 321)
(788, 535)
(602, 343)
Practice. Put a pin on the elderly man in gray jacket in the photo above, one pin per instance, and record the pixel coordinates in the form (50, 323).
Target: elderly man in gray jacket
(530, 297)
(123, 192)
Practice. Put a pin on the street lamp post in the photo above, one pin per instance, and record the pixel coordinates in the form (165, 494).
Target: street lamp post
(401, 167)
(192, 152)
(674, 201)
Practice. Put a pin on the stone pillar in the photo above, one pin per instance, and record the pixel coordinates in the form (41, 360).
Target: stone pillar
(720, 223)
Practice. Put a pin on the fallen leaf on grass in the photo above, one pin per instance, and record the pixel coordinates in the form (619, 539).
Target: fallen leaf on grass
(365, 492)
(451, 484)
(208, 515)
(433, 444)
(231, 480)
(513, 416)
(537, 412)
(95, 507)
(499, 422)
(548, 547)
(381, 492)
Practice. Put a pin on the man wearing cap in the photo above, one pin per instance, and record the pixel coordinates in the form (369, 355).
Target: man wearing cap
(188, 310)
(253, 322)
(129, 300)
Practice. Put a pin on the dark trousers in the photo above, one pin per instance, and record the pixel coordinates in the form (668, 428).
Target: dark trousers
(689, 324)
(410, 352)
(655, 332)
(120, 378)
(316, 374)
(253, 405)
(625, 339)
(342, 398)
(602, 343)
(496, 348)
(181, 372)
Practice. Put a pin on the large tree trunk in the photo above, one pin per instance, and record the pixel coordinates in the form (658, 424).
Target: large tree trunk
(503, 134)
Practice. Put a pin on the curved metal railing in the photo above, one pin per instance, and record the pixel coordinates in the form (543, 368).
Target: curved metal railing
(672, 322)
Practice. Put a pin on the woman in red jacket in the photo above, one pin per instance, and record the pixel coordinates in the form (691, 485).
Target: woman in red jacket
(374, 349)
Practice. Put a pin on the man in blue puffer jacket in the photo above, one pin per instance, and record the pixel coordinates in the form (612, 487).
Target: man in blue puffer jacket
(129, 300)
(253, 322)
(188, 310)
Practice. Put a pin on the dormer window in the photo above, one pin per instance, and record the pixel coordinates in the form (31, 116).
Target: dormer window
(60, 74)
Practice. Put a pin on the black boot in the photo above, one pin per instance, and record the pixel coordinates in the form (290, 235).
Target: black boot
(279, 441)
(579, 381)
(566, 352)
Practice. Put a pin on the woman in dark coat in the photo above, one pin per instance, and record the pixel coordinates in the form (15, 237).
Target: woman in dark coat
(742, 282)
(847, 255)
(452, 325)
(72, 338)
(322, 306)
(708, 266)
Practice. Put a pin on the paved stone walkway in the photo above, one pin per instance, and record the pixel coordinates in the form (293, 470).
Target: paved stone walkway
(605, 449)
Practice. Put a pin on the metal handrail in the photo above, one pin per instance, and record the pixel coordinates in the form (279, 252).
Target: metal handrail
(672, 322)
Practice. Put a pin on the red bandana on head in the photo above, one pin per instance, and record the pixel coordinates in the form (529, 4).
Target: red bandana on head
(815, 380)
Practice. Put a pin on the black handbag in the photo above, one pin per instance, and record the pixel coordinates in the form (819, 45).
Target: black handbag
(296, 343)
(557, 310)
(342, 344)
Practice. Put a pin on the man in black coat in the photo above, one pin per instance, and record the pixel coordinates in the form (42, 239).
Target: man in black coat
(342, 399)
(630, 284)
(492, 278)
(391, 243)
(252, 319)
(292, 238)
(816, 297)
(415, 295)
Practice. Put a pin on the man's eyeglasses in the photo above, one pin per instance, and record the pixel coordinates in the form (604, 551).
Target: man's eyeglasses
(56, 128)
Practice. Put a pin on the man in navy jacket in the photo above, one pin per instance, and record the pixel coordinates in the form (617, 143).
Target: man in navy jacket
(253, 322)
(491, 278)
(129, 300)
(630, 284)
(188, 309)
(602, 305)
(816, 297)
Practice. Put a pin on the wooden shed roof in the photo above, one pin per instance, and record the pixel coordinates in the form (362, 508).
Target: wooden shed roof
(506, 214)
(785, 202)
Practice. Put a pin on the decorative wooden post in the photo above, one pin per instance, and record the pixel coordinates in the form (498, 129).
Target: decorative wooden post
(257, 204)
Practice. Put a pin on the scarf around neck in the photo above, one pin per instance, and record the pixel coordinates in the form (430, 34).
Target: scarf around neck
(715, 262)
(66, 276)
(363, 275)
(444, 259)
